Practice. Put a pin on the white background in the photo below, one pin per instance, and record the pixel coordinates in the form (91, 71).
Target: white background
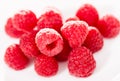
(108, 59)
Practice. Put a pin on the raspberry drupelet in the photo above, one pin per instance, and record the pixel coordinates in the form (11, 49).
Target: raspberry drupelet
(15, 58)
(28, 45)
(88, 13)
(94, 40)
(45, 66)
(24, 20)
(51, 18)
(81, 62)
(75, 32)
(109, 26)
(49, 41)
(11, 30)
(75, 18)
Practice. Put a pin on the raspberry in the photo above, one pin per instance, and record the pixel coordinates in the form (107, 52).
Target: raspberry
(15, 58)
(45, 66)
(63, 55)
(109, 26)
(12, 31)
(81, 62)
(28, 45)
(75, 32)
(88, 13)
(49, 41)
(51, 18)
(72, 19)
(94, 40)
(24, 20)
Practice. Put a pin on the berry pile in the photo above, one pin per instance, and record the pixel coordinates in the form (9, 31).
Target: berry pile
(48, 40)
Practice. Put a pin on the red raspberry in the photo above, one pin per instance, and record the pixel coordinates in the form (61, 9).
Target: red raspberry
(81, 62)
(75, 32)
(45, 66)
(72, 19)
(94, 40)
(49, 41)
(28, 45)
(88, 13)
(15, 58)
(12, 31)
(51, 18)
(63, 55)
(24, 20)
(109, 26)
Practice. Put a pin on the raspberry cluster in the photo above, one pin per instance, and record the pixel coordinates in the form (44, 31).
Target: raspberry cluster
(48, 40)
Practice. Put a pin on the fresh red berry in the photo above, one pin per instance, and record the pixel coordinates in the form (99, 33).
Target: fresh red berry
(63, 55)
(45, 66)
(49, 41)
(81, 62)
(15, 58)
(109, 26)
(88, 13)
(94, 40)
(72, 19)
(24, 20)
(11, 30)
(51, 18)
(28, 45)
(75, 32)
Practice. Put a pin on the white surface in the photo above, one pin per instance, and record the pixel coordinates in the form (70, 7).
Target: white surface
(108, 59)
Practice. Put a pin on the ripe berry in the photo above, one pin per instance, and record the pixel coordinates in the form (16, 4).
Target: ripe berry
(28, 45)
(45, 66)
(81, 62)
(11, 30)
(15, 58)
(75, 32)
(72, 19)
(49, 42)
(63, 55)
(51, 18)
(24, 20)
(109, 26)
(88, 13)
(94, 40)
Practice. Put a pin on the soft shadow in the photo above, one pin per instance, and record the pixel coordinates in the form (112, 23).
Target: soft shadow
(102, 57)
(62, 66)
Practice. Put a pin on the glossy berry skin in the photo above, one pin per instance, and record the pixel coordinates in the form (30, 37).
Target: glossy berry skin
(15, 58)
(45, 66)
(51, 18)
(28, 45)
(81, 62)
(24, 20)
(94, 40)
(88, 13)
(109, 26)
(75, 32)
(49, 41)
(11, 30)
